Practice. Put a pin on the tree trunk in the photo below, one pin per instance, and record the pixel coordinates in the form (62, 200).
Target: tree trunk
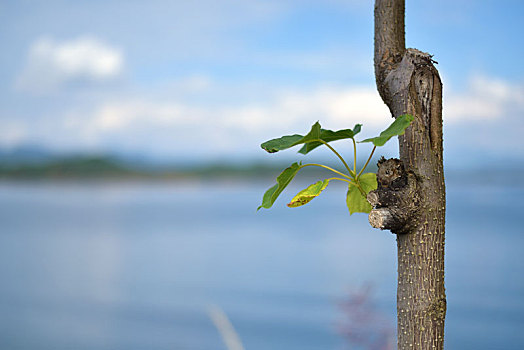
(410, 198)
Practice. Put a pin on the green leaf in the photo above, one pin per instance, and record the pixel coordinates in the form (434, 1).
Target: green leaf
(398, 127)
(329, 135)
(288, 141)
(368, 182)
(311, 139)
(283, 180)
(356, 201)
(313, 134)
(305, 196)
(281, 143)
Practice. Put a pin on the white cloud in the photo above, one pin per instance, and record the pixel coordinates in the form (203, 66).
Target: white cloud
(148, 119)
(485, 99)
(296, 110)
(206, 124)
(52, 65)
(181, 127)
(176, 126)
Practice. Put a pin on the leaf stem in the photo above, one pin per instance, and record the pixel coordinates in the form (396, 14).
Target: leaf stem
(360, 188)
(328, 168)
(354, 156)
(352, 173)
(367, 162)
(338, 178)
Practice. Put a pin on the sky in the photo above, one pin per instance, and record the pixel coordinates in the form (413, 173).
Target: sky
(209, 80)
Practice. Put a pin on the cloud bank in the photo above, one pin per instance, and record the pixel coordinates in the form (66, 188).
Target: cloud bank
(176, 125)
(485, 99)
(53, 65)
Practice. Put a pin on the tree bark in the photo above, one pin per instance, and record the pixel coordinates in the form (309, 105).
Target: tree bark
(410, 198)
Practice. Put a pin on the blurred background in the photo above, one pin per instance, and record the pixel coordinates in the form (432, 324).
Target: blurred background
(130, 173)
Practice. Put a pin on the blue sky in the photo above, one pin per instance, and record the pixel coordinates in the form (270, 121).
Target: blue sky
(207, 80)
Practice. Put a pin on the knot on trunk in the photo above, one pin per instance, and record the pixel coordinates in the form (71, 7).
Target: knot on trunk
(399, 80)
(395, 201)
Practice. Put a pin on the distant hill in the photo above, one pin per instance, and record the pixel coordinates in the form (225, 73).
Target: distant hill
(85, 167)
(77, 167)
(25, 154)
(33, 162)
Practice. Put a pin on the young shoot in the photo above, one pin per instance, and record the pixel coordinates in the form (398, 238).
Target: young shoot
(359, 183)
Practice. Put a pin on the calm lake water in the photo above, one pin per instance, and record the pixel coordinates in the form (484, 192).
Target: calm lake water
(138, 265)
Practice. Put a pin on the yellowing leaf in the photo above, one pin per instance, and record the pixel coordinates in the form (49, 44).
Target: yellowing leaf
(306, 195)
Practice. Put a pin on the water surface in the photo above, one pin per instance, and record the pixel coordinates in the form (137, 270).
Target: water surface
(137, 265)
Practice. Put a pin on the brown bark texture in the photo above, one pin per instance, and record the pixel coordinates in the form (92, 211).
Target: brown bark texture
(410, 198)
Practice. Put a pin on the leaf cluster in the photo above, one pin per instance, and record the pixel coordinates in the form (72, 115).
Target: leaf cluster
(359, 184)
